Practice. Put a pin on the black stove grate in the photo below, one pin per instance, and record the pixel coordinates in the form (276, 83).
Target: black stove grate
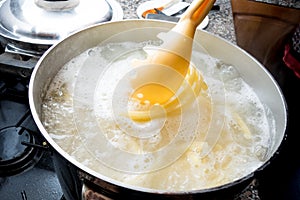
(26, 167)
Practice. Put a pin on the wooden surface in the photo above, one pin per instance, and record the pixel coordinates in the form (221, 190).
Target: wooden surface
(263, 30)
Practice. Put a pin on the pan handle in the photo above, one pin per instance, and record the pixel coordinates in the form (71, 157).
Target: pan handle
(88, 193)
(57, 5)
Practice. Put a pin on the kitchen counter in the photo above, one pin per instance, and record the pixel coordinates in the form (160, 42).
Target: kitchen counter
(285, 3)
(220, 21)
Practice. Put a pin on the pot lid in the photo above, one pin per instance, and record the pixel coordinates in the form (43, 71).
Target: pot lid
(47, 21)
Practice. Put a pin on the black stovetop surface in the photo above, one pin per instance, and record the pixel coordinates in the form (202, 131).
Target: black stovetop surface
(26, 171)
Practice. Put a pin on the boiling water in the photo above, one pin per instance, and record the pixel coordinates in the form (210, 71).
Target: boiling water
(220, 137)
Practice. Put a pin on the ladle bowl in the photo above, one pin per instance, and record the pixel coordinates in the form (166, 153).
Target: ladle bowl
(162, 73)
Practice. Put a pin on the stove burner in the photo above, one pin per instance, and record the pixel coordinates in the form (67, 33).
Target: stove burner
(17, 150)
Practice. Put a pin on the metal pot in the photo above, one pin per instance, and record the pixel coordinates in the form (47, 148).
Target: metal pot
(76, 178)
(30, 27)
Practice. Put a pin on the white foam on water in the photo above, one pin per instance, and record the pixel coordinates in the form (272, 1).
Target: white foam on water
(85, 113)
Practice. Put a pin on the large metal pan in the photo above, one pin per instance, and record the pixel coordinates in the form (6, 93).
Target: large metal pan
(74, 175)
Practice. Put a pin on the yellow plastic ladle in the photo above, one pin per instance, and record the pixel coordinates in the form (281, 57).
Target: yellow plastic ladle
(161, 74)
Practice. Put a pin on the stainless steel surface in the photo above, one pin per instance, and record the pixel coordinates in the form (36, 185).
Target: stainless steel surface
(25, 21)
(57, 5)
(51, 62)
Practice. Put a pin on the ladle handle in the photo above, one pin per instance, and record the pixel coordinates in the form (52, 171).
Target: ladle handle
(197, 11)
(193, 16)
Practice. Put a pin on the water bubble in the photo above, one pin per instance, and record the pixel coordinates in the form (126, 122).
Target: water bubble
(91, 52)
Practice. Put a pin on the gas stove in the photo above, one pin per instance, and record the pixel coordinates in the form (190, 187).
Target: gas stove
(26, 162)
(26, 168)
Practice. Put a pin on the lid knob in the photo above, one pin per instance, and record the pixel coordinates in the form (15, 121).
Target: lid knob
(57, 5)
